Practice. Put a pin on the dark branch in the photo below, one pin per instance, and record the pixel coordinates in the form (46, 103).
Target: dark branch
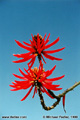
(53, 95)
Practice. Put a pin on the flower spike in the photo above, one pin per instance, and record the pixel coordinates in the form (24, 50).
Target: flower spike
(37, 48)
(34, 78)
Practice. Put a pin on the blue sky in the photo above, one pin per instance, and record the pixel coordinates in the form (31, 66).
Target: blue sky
(20, 18)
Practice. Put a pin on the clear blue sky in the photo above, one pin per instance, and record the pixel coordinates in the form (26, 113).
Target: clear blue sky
(20, 18)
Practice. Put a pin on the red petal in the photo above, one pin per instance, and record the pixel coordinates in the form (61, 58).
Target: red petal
(25, 55)
(27, 94)
(46, 42)
(51, 87)
(34, 92)
(44, 36)
(15, 89)
(38, 43)
(23, 84)
(38, 74)
(26, 43)
(53, 51)
(27, 72)
(33, 60)
(22, 73)
(49, 72)
(20, 77)
(51, 57)
(42, 79)
(25, 59)
(63, 100)
(43, 43)
(12, 86)
(20, 85)
(47, 46)
(14, 83)
(21, 60)
(23, 46)
(40, 65)
(54, 79)
(48, 36)
(50, 82)
(43, 59)
(47, 93)
(28, 76)
(32, 74)
(41, 88)
(42, 48)
(33, 43)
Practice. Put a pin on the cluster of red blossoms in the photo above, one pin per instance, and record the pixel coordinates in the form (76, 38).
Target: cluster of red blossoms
(37, 76)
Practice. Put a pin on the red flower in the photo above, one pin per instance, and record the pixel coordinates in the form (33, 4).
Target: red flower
(37, 48)
(34, 78)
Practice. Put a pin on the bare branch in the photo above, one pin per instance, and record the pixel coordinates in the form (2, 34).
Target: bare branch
(43, 103)
(69, 89)
(57, 97)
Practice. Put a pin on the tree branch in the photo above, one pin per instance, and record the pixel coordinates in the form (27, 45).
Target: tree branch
(57, 97)
(69, 89)
(43, 103)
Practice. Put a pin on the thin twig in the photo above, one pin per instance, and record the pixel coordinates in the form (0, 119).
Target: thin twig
(69, 89)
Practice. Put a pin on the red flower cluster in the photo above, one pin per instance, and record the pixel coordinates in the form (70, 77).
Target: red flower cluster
(37, 48)
(36, 77)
